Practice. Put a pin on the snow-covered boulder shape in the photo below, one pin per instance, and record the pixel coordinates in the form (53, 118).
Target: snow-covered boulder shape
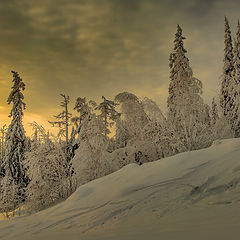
(192, 195)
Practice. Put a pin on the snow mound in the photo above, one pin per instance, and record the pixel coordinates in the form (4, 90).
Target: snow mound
(192, 195)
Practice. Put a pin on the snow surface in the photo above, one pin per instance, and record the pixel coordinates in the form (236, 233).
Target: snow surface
(192, 195)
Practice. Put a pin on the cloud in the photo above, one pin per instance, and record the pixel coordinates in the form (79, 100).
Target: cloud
(94, 48)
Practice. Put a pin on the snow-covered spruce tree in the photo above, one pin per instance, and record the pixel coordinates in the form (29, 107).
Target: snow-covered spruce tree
(187, 113)
(234, 88)
(227, 76)
(107, 113)
(15, 179)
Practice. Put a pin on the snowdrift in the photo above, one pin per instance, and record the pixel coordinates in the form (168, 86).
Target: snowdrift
(192, 195)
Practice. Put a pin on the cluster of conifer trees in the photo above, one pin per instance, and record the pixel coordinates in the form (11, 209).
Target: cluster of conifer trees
(38, 171)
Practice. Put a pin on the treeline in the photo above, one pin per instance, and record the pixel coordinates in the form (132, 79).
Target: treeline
(41, 170)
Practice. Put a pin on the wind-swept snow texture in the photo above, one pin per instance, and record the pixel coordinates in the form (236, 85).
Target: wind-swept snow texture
(192, 195)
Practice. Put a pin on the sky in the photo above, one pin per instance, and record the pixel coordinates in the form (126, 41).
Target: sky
(91, 48)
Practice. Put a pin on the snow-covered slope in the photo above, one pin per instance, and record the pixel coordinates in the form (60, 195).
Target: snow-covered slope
(193, 195)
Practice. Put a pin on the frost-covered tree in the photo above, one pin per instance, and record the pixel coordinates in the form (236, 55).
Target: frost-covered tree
(15, 179)
(35, 141)
(214, 113)
(153, 111)
(108, 113)
(90, 161)
(63, 118)
(11, 196)
(84, 109)
(187, 113)
(129, 127)
(40, 135)
(3, 132)
(133, 117)
(63, 122)
(142, 133)
(220, 127)
(227, 76)
(49, 171)
(233, 115)
(158, 141)
(158, 135)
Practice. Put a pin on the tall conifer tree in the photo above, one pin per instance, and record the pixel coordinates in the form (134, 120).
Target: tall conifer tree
(227, 77)
(234, 88)
(187, 114)
(15, 179)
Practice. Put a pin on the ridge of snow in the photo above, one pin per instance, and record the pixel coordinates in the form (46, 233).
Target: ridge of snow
(197, 188)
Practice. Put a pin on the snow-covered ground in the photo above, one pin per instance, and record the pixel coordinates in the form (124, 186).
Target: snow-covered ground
(193, 195)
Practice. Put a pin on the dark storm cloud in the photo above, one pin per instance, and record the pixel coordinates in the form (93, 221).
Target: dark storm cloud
(84, 39)
(100, 47)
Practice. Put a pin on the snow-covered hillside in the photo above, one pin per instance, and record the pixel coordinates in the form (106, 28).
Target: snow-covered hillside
(192, 195)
